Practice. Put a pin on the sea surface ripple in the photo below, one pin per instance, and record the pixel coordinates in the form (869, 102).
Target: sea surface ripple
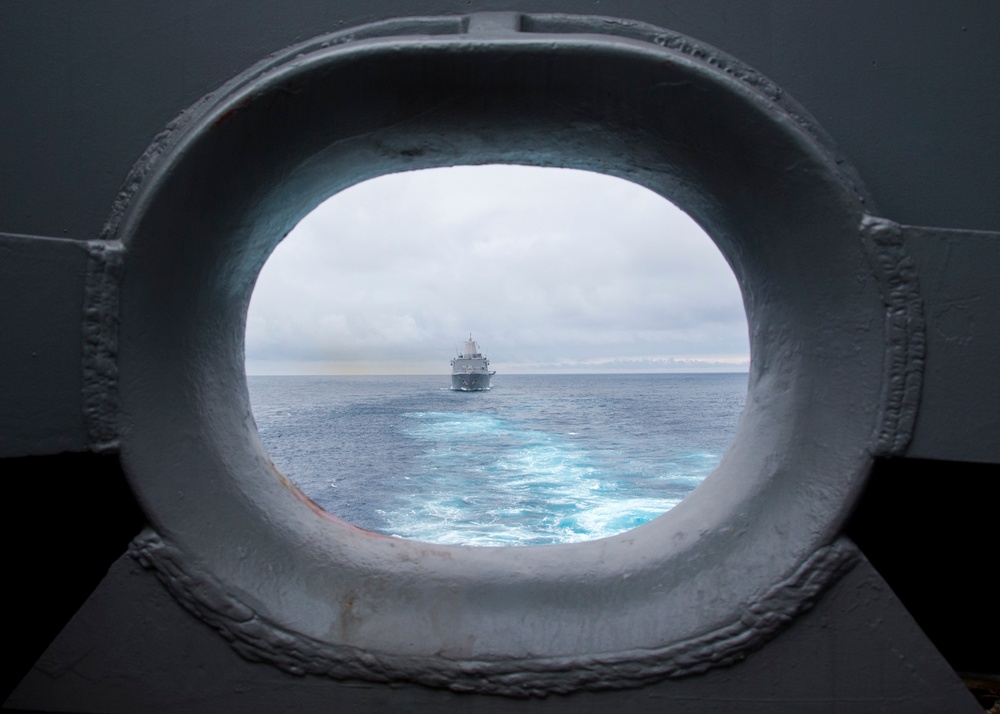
(538, 459)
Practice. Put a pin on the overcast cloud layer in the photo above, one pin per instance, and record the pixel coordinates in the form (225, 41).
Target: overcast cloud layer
(551, 270)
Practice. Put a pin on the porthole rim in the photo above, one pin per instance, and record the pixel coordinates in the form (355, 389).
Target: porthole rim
(157, 172)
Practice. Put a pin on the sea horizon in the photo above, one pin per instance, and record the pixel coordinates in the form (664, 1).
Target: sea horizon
(446, 373)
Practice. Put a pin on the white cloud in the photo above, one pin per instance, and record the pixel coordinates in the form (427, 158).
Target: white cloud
(550, 269)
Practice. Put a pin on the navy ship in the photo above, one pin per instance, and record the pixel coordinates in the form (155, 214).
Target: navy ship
(470, 371)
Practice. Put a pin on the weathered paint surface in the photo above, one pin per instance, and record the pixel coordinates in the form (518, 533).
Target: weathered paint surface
(871, 337)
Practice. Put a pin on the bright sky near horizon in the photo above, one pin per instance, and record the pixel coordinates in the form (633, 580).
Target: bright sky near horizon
(551, 270)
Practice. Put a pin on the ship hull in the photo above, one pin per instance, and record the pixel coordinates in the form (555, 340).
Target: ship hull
(470, 382)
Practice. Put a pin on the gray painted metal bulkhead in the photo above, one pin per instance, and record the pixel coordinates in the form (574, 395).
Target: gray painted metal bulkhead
(869, 338)
(830, 387)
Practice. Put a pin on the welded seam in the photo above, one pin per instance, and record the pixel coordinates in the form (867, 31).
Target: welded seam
(719, 61)
(441, 26)
(174, 132)
(905, 328)
(100, 344)
(257, 639)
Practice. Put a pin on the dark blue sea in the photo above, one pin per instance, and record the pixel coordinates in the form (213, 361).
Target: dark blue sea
(538, 459)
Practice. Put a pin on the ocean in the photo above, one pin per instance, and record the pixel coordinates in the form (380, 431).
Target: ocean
(538, 459)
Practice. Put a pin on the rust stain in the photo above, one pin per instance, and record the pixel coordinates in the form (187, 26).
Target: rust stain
(228, 114)
(317, 509)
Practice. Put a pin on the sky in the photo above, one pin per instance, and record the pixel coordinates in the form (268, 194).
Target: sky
(550, 270)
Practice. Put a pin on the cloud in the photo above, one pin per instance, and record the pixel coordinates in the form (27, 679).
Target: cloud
(550, 269)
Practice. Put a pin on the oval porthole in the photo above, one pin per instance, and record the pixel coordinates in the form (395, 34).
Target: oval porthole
(619, 346)
(833, 327)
